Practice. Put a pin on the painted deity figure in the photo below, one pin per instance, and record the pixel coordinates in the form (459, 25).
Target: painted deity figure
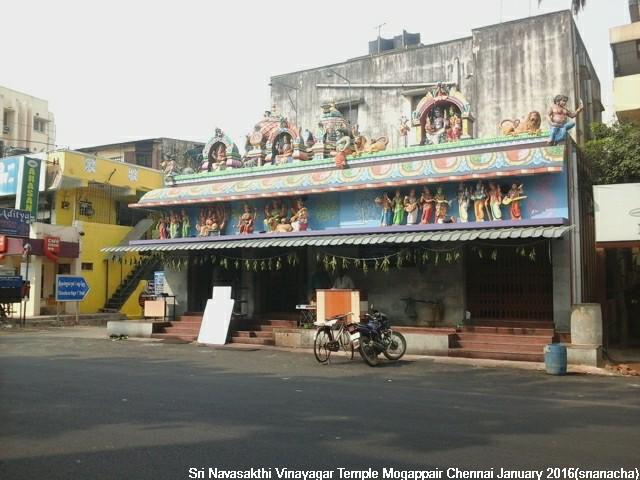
(246, 220)
(283, 226)
(513, 199)
(442, 206)
(436, 128)
(386, 214)
(285, 151)
(495, 200)
(428, 204)
(174, 225)
(186, 224)
(300, 217)
(163, 231)
(411, 206)
(559, 119)
(463, 203)
(479, 196)
(454, 132)
(398, 209)
(404, 130)
(273, 212)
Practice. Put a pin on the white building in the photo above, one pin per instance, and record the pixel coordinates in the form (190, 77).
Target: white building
(26, 123)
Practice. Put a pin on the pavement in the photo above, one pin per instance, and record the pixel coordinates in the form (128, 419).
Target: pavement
(93, 332)
(75, 405)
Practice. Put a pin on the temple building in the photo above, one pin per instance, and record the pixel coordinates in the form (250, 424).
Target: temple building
(433, 178)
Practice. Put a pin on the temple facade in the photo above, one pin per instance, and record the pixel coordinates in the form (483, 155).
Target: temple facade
(456, 214)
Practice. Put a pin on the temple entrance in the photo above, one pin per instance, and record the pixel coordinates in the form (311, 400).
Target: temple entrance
(281, 290)
(511, 286)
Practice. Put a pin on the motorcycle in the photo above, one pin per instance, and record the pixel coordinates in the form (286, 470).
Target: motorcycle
(375, 337)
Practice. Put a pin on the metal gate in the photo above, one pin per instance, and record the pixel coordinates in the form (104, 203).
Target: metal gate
(504, 284)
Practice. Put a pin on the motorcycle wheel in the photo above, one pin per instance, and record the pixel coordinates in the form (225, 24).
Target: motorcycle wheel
(320, 349)
(368, 352)
(397, 346)
(346, 344)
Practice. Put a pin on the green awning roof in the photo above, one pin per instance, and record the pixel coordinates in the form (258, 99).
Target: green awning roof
(353, 239)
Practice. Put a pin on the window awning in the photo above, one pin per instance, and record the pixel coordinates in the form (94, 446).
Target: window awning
(352, 239)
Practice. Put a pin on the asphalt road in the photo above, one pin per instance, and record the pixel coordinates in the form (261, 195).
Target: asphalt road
(77, 408)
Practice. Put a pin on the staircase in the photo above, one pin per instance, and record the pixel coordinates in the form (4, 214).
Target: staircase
(143, 271)
(503, 340)
(261, 330)
(185, 329)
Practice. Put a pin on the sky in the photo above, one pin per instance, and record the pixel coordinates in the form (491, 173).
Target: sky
(115, 71)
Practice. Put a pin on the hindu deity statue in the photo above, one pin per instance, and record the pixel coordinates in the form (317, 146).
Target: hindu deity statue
(495, 200)
(411, 206)
(285, 150)
(174, 225)
(273, 212)
(514, 196)
(246, 220)
(404, 130)
(211, 221)
(442, 206)
(398, 208)
(186, 224)
(221, 157)
(559, 119)
(163, 230)
(454, 129)
(436, 128)
(386, 214)
(479, 196)
(300, 217)
(463, 203)
(428, 204)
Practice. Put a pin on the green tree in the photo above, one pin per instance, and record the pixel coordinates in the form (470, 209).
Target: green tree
(576, 5)
(614, 152)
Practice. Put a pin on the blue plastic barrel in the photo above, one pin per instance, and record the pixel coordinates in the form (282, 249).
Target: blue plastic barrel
(555, 359)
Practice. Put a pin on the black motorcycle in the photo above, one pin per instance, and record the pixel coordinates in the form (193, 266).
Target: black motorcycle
(375, 337)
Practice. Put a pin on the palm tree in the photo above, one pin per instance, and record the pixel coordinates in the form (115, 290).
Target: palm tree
(576, 5)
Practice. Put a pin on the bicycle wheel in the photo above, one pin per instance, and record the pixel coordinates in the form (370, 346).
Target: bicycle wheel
(346, 344)
(320, 348)
(397, 346)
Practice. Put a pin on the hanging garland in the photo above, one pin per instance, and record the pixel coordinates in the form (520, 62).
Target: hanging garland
(260, 264)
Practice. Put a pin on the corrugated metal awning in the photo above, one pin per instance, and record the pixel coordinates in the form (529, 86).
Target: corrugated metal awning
(353, 239)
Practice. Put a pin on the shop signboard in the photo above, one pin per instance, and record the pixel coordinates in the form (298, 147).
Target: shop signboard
(29, 185)
(71, 288)
(14, 222)
(617, 212)
(9, 175)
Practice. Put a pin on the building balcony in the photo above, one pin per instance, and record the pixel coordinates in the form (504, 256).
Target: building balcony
(626, 97)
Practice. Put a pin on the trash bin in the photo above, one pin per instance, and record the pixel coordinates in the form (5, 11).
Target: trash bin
(555, 359)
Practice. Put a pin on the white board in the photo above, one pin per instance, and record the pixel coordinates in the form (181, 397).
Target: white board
(617, 212)
(215, 321)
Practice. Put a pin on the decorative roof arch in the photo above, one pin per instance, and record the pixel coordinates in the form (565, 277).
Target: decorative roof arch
(208, 152)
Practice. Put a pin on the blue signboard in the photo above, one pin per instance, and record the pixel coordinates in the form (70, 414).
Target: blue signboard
(14, 222)
(9, 175)
(11, 282)
(71, 288)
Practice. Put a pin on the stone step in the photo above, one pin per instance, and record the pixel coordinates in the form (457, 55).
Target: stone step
(181, 330)
(190, 318)
(253, 333)
(253, 341)
(515, 356)
(508, 330)
(505, 338)
(176, 337)
(498, 347)
(281, 323)
(481, 322)
(291, 316)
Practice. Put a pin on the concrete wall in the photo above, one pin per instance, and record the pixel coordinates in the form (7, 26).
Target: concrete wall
(504, 70)
(561, 255)
(379, 109)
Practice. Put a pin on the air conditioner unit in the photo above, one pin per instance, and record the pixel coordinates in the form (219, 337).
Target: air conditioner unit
(6, 129)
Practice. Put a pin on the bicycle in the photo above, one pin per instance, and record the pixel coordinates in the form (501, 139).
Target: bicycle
(332, 336)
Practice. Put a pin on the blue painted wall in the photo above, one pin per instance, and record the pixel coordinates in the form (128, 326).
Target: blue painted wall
(547, 198)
